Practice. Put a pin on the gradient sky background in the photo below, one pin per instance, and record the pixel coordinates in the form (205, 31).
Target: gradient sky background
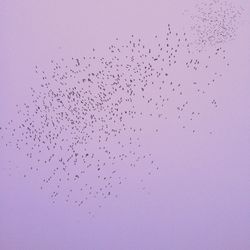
(200, 199)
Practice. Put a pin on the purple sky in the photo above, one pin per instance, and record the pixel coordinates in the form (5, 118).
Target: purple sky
(200, 198)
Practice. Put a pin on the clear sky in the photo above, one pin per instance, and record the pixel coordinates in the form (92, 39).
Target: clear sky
(199, 197)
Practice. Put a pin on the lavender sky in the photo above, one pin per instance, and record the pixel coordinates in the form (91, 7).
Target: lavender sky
(199, 199)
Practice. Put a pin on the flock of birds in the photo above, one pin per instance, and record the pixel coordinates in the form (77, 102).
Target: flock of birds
(215, 22)
(83, 128)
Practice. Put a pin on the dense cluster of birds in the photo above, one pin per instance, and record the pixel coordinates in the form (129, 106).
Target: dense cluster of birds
(82, 130)
(215, 22)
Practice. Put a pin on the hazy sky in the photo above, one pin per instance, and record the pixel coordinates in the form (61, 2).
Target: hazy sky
(200, 197)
